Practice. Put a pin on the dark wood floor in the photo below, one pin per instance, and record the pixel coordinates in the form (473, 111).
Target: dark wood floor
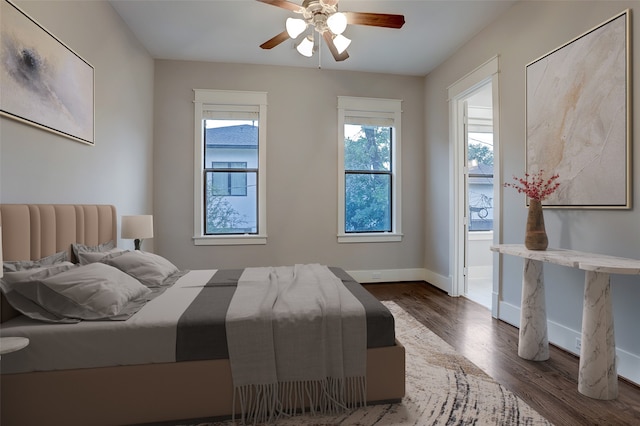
(550, 387)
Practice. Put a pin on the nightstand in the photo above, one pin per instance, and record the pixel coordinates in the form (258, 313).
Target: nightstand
(12, 344)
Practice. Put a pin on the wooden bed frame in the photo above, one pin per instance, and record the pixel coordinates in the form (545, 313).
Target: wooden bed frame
(126, 394)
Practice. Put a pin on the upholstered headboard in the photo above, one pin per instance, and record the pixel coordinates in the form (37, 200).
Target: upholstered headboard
(33, 231)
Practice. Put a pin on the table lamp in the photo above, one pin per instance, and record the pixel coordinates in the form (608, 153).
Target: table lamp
(137, 227)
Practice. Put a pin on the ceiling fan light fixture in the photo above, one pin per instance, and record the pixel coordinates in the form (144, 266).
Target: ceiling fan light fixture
(305, 48)
(341, 43)
(337, 23)
(295, 27)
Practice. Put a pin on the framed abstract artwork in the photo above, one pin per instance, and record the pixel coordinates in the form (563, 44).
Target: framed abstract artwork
(578, 118)
(42, 81)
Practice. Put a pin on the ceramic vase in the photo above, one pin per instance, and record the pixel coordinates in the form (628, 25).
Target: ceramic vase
(535, 237)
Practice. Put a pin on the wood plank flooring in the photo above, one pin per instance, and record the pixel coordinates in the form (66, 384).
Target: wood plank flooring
(550, 387)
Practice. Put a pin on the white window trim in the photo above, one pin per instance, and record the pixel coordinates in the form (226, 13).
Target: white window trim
(205, 99)
(372, 107)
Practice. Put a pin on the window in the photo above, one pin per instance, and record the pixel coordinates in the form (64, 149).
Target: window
(230, 171)
(369, 170)
(480, 167)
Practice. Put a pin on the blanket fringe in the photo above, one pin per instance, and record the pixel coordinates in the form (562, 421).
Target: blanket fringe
(265, 404)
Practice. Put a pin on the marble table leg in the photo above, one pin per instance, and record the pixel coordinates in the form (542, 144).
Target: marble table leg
(533, 343)
(598, 376)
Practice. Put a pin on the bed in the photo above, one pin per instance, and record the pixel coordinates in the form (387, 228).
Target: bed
(128, 391)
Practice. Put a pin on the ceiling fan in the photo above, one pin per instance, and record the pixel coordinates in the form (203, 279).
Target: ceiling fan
(323, 16)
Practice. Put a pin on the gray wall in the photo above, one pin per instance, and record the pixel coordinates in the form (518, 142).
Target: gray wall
(524, 33)
(37, 166)
(301, 165)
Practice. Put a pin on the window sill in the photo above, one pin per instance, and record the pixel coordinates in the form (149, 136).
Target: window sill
(370, 238)
(230, 240)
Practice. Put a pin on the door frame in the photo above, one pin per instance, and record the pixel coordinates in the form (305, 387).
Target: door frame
(457, 94)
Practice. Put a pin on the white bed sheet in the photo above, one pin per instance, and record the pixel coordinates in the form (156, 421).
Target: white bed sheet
(147, 337)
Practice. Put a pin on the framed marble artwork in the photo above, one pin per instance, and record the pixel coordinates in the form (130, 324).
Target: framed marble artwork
(578, 118)
(43, 82)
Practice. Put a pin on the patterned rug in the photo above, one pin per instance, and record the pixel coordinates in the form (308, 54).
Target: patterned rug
(442, 388)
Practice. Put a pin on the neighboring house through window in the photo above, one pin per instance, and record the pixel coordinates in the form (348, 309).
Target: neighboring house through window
(230, 170)
(369, 137)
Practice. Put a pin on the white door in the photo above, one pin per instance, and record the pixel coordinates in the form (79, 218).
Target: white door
(479, 195)
(474, 208)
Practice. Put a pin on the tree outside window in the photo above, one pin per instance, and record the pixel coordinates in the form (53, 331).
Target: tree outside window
(367, 158)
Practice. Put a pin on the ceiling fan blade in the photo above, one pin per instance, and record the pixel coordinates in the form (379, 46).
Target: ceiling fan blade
(332, 47)
(273, 42)
(375, 19)
(284, 4)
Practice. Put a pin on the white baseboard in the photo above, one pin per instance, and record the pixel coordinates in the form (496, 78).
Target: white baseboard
(565, 338)
(439, 281)
(387, 275)
(398, 275)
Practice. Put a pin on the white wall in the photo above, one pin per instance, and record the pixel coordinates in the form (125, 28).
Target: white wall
(524, 33)
(37, 166)
(301, 165)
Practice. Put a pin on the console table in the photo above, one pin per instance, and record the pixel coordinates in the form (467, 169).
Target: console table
(598, 376)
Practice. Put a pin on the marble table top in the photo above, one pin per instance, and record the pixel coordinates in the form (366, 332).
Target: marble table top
(575, 259)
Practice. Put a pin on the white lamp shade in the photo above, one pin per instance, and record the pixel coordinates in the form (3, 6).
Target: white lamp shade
(341, 43)
(337, 23)
(137, 227)
(306, 47)
(295, 27)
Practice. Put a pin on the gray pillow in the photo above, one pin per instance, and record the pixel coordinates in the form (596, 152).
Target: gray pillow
(26, 306)
(82, 248)
(148, 268)
(89, 292)
(87, 257)
(22, 265)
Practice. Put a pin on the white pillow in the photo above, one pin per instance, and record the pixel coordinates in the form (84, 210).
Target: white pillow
(148, 268)
(21, 265)
(83, 248)
(87, 257)
(26, 306)
(89, 292)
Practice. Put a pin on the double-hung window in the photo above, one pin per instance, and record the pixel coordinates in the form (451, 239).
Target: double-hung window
(369, 180)
(230, 170)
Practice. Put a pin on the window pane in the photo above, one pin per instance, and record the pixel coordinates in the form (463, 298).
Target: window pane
(481, 207)
(231, 142)
(229, 214)
(230, 163)
(367, 147)
(230, 183)
(480, 150)
(480, 163)
(367, 202)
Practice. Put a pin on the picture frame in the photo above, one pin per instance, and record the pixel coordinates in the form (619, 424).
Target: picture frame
(43, 82)
(578, 118)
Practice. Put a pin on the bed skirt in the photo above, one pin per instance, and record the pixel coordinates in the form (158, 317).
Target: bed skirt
(156, 392)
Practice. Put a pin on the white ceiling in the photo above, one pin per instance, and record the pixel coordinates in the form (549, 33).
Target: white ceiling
(232, 31)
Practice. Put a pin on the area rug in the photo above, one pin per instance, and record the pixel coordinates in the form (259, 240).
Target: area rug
(442, 388)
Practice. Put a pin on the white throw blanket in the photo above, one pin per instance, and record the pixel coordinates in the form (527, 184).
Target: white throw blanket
(297, 337)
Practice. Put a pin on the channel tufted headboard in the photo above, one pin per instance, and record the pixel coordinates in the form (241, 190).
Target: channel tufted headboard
(33, 231)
